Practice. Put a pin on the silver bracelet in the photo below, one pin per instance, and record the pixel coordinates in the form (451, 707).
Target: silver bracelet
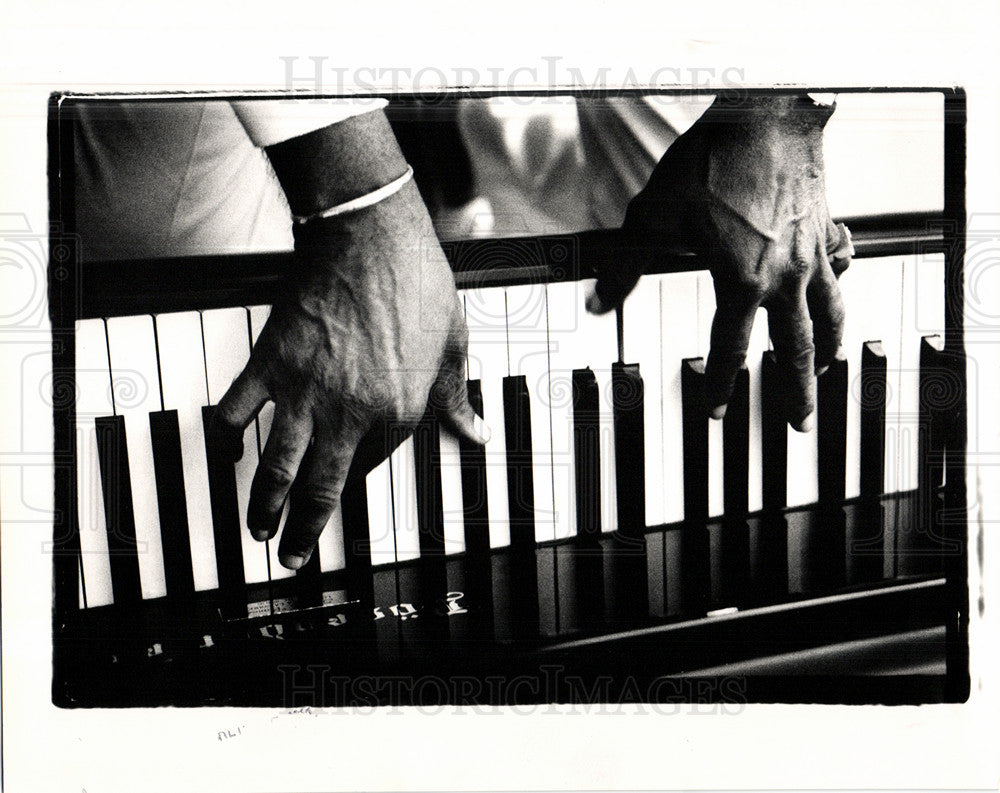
(361, 202)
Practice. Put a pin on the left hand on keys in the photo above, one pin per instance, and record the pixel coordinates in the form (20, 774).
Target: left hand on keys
(744, 188)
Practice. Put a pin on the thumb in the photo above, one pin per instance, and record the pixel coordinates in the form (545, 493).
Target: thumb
(615, 280)
(449, 398)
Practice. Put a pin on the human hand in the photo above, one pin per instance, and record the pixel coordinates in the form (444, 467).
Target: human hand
(744, 188)
(368, 329)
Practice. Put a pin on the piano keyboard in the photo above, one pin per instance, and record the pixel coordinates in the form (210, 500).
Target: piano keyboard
(143, 382)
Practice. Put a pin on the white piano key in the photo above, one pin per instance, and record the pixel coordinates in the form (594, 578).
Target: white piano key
(182, 370)
(926, 291)
(755, 353)
(135, 380)
(643, 344)
(706, 313)
(488, 363)
(578, 340)
(452, 505)
(403, 469)
(258, 316)
(679, 339)
(226, 333)
(803, 456)
(563, 303)
(93, 399)
(873, 297)
(380, 514)
(528, 320)
(922, 289)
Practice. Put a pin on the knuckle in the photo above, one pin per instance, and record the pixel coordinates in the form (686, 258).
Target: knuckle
(323, 497)
(743, 285)
(275, 474)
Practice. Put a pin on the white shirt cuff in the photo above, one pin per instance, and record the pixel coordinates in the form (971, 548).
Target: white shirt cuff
(270, 121)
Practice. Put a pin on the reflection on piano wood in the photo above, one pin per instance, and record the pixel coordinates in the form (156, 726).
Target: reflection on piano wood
(608, 530)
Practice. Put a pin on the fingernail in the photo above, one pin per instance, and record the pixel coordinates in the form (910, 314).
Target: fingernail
(594, 304)
(806, 424)
(840, 355)
(292, 561)
(482, 429)
(260, 535)
(718, 412)
(821, 370)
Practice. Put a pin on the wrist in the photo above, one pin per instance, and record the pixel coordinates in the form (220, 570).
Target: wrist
(337, 164)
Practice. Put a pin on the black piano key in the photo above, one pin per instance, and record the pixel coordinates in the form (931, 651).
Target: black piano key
(225, 524)
(736, 449)
(872, 397)
(630, 461)
(116, 484)
(474, 502)
(628, 594)
(774, 437)
(520, 481)
(695, 541)
(168, 468)
(937, 393)
(770, 577)
(865, 550)
(428, 581)
(734, 533)
(695, 439)
(587, 456)
(427, 463)
(831, 429)
(826, 545)
(357, 542)
(478, 573)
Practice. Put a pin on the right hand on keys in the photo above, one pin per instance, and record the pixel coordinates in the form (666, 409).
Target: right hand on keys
(744, 188)
(370, 325)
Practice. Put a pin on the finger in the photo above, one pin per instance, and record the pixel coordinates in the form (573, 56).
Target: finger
(315, 495)
(449, 398)
(792, 335)
(839, 247)
(237, 408)
(615, 281)
(283, 453)
(826, 307)
(731, 327)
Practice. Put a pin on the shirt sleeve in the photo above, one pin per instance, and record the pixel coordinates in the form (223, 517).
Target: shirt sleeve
(270, 121)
